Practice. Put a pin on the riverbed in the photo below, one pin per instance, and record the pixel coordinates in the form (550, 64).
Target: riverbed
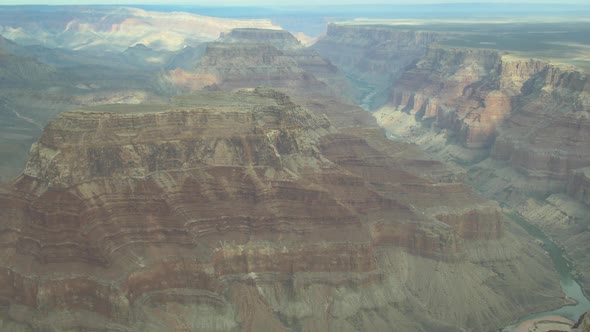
(570, 286)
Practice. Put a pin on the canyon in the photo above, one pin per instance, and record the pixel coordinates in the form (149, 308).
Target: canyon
(56, 58)
(517, 125)
(224, 176)
(244, 211)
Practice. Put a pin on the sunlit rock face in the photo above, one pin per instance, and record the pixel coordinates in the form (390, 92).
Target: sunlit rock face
(244, 211)
(527, 112)
(547, 136)
(468, 92)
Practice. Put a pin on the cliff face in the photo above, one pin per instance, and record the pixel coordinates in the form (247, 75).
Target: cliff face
(548, 135)
(233, 65)
(244, 211)
(374, 57)
(527, 113)
(373, 50)
(578, 185)
(467, 92)
(248, 58)
(37, 83)
(518, 127)
(279, 39)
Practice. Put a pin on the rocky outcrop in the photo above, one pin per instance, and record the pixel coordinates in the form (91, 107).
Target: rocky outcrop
(34, 89)
(279, 39)
(527, 113)
(546, 138)
(234, 65)
(467, 92)
(373, 50)
(518, 126)
(248, 58)
(374, 56)
(244, 211)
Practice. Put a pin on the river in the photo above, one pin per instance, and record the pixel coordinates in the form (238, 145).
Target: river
(569, 284)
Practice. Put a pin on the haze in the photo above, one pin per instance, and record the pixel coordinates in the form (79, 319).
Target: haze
(326, 165)
(283, 3)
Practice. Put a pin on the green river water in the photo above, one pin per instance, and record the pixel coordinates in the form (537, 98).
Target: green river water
(569, 284)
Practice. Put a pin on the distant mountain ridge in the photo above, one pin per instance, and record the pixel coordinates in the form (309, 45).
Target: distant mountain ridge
(107, 28)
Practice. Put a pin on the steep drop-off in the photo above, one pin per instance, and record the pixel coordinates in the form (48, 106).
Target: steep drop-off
(373, 57)
(243, 211)
(464, 93)
(248, 58)
(37, 83)
(518, 126)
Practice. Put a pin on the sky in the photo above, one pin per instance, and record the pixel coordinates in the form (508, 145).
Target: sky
(274, 3)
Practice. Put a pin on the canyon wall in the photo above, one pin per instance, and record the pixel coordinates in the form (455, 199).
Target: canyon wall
(373, 57)
(547, 136)
(249, 58)
(467, 104)
(466, 92)
(517, 126)
(37, 83)
(244, 211)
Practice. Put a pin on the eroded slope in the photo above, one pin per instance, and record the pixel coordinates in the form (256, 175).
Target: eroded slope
(244, 211)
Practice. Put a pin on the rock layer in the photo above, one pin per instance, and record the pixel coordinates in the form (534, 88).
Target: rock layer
(547, 136)
(373, 56)
(518, 126)
(465, 91)
(249, 58)
(245, 211)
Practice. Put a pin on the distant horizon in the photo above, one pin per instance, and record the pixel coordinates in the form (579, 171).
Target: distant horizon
(287, 3)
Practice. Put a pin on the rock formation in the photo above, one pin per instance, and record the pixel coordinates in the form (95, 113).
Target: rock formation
(248, 58)
(547, 137)
(37, 83)
(583, 324)
(279, 39)
(373, 56)
(518, 126)
(244, 211)
(466, 92)
(473, 96)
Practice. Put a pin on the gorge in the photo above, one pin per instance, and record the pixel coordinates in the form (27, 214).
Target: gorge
(516, 124)
(90, 239)
(411, 176)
